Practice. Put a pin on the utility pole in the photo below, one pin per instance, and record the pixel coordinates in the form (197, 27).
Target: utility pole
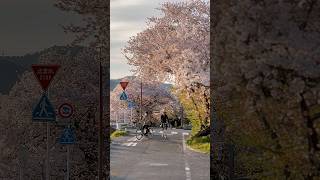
(141, 100)
(100, 138)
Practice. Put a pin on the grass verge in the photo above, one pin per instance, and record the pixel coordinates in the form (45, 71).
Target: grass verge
(119, 133)
(200, 144)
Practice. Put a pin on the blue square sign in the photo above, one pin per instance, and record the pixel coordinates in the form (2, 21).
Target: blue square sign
(44, 111)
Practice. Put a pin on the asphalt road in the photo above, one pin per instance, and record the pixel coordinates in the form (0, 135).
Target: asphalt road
(157, 159)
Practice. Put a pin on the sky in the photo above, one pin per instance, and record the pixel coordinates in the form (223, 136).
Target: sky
(28, 26)
(128, 17)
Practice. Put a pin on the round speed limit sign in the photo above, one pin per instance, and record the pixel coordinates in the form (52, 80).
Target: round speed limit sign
(130, 96)
(65, 110)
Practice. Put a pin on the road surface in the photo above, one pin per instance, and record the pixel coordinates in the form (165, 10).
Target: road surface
(157, 159)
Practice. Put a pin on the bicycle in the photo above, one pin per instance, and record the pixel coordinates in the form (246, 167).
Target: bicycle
(140, 132)
(164, 127)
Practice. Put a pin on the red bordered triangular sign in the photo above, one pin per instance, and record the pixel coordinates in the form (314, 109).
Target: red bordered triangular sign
(45, 73)
(124, 84)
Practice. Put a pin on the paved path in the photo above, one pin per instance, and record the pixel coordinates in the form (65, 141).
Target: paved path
(157, 159)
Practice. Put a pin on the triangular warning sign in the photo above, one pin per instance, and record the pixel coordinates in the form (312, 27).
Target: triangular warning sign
(45, 74)
(123, 96)
(44, 110)
(67, 137)
(124, 84)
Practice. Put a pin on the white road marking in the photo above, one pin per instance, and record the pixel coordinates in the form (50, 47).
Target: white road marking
(173, 132)
(129, 144)
(186, 164)
(132, 139)
(183, 143)
(157, 164)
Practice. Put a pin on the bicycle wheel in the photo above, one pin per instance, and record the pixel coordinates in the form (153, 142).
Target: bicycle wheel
(139, 134)
(150, 134)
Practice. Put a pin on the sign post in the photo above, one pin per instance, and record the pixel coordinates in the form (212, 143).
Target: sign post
(65, 111)
(68, 138)
(44, 110)
(123, 95)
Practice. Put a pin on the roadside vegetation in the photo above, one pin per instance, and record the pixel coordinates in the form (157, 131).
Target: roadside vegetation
(199, 144)
(119, 133)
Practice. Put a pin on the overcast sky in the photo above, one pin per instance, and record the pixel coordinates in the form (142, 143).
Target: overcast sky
(27, 26)
(128, 17)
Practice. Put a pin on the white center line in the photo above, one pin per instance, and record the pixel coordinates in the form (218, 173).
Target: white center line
(157, 164)
(186, 164)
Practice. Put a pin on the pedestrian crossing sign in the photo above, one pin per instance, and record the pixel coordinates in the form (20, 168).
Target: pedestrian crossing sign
(44, 111)
(123, 96)
(67, 137)
(131, 104)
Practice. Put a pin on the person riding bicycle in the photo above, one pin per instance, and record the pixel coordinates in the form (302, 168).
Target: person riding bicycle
(146, 123)
(164, 123)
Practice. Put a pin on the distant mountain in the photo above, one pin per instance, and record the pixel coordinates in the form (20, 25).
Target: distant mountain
(12, 67)
(115, 82)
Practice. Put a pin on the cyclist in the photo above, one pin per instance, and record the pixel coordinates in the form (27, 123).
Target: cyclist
(146, 124)
(164, 124)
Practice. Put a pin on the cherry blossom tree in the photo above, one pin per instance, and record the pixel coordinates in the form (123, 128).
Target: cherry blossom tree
(266, 69)
(175, 47)
(67, 86)
(155, 98)
(95, 30)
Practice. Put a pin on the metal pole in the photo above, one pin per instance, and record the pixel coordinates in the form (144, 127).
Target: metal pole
(68, 162)
(21, 172)
(130, 115)
(124, 115)
(100, 153)
(117, 116)
(47, 153)
(47, 159)
(141, 101)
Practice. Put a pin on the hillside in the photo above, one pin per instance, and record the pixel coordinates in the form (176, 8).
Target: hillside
(115, 82)
(12, 67)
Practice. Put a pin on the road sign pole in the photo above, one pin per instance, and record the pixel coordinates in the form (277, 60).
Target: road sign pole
(117, 118)
(124, 115)
(47, 153)
(130, 115)
(68, 162)
(45, 74)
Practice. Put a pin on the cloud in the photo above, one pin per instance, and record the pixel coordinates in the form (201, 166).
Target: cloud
(127, 18)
